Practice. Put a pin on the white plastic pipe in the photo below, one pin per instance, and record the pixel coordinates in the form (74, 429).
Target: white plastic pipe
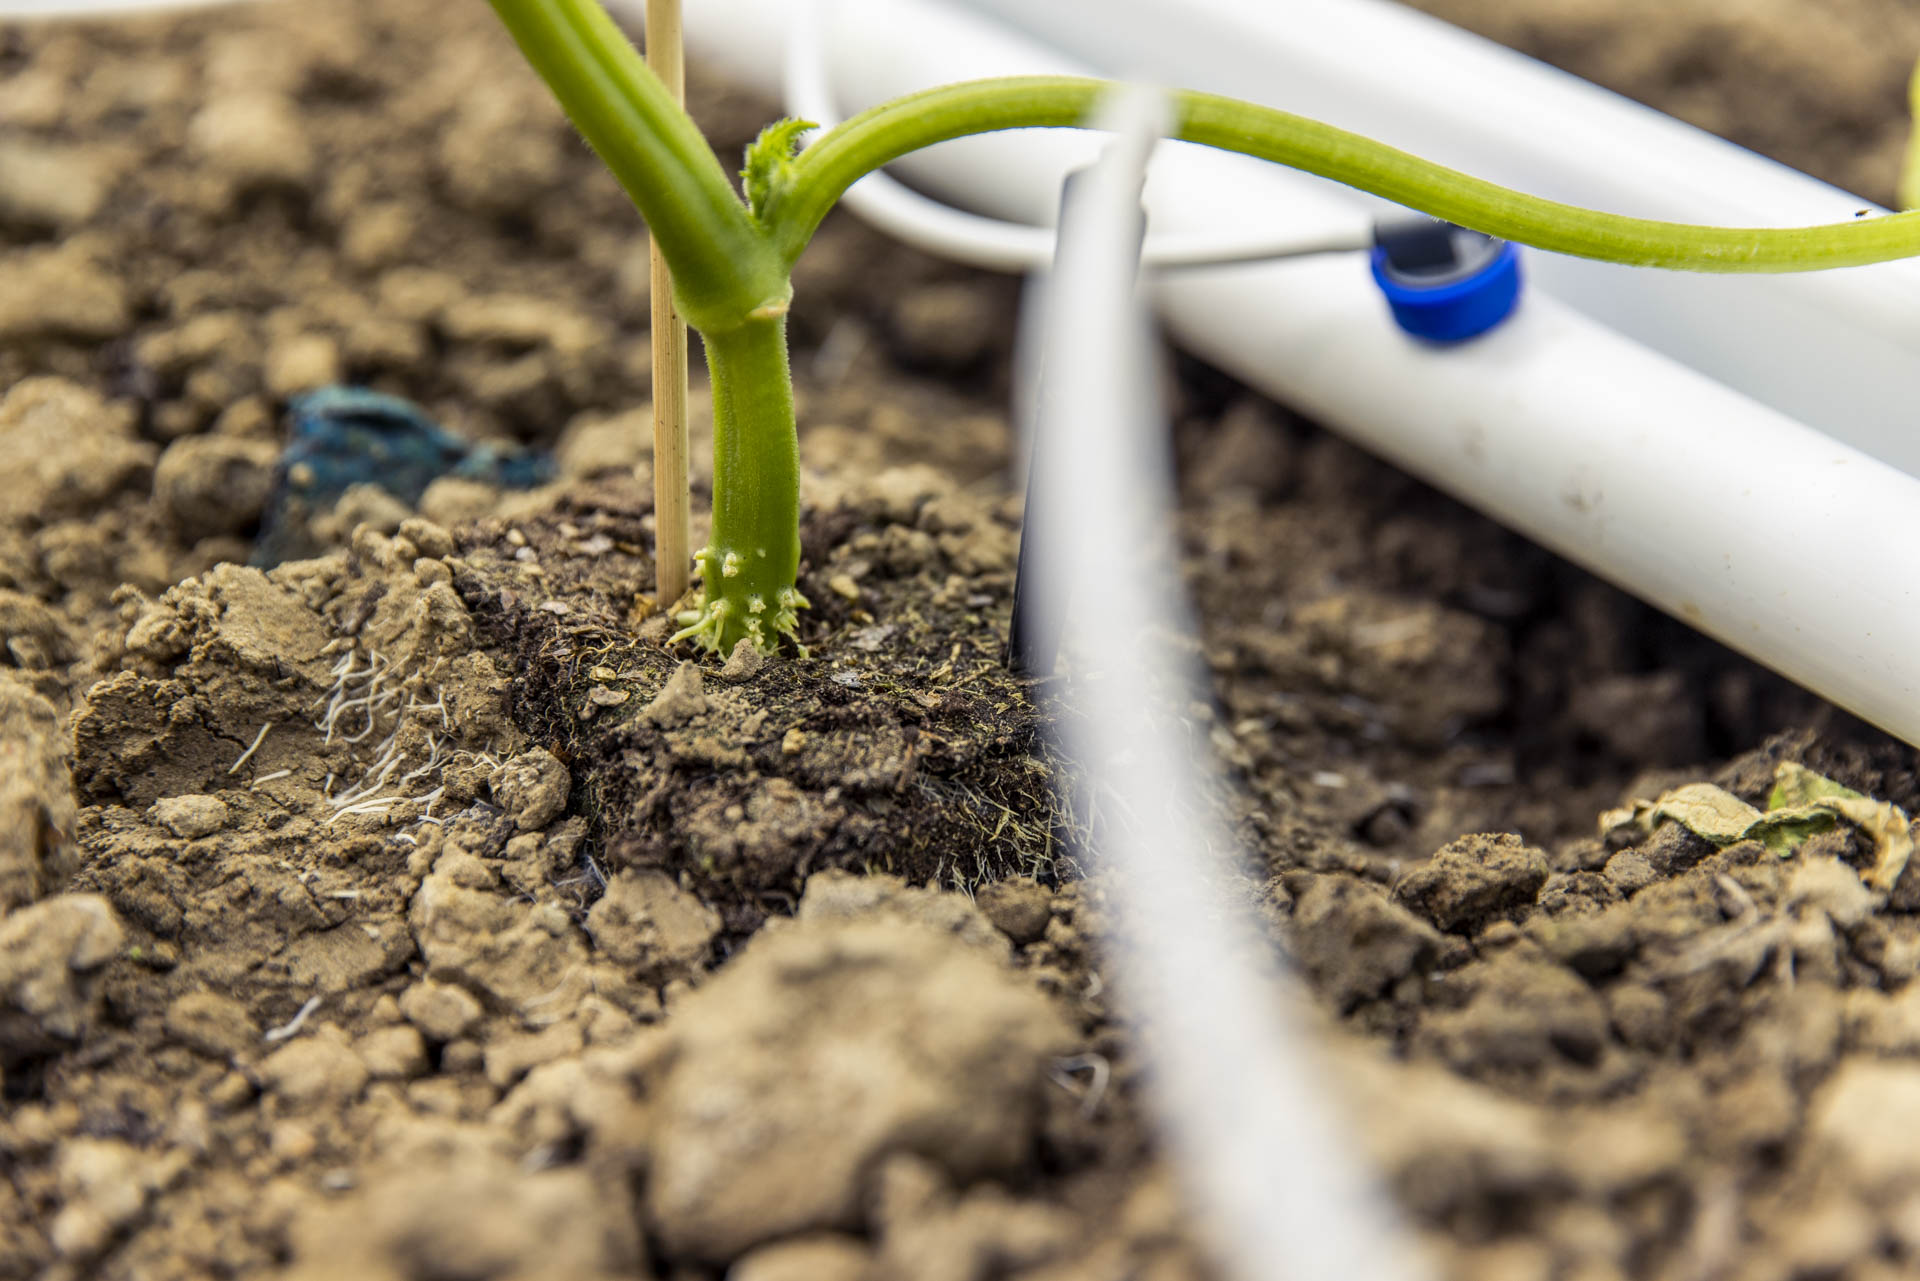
(991, 243)
(1240, 1108)
(1837, 350)
(1780, 540)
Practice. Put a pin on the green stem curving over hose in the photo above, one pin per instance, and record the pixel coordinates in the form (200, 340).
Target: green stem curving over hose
(732, 260)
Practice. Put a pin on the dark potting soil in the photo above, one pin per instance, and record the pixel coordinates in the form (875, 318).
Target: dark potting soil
(902, 746)
(411, 912)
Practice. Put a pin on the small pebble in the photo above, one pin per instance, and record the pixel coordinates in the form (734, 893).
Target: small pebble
(292, 1141)
(190, 817)
(440, 1010)
(231, 1092)
(462, 1056)
(396, 1053)
(681, 699)
(532, 788)
(1018, 907)
(1630, 870)
(744, 663)
(433, 540)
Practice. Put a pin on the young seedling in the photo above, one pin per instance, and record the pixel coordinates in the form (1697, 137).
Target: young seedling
(732, 259)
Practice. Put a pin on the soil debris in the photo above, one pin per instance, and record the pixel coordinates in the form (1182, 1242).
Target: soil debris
(531, 788)
(1472, 881)
(440, 1010)
(1019, 908)
(409, 910)
(190, 817)
(1355, 943)
(952, 1075)
(650, 925)
(447, 1200)
(50, 956)
(37, 812)
(918, 756)
(66, 451)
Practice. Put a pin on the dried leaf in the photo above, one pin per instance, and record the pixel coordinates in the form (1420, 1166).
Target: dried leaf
(1801, 805)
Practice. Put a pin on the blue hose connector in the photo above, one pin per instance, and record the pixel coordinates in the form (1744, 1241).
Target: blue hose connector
(1444, 283)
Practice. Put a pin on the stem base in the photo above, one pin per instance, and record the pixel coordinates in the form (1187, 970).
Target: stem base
(748, 567)
(741, 606)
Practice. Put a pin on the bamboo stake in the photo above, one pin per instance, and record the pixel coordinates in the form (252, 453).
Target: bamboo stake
(671, 529)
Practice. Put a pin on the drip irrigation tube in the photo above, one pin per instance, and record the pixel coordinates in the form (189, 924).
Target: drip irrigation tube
(1239, 1105)
(996, 244)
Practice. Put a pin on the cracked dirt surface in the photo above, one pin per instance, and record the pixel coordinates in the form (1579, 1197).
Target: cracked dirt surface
(410, 912)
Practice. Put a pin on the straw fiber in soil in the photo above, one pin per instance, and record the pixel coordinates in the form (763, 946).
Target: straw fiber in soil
(409, 912)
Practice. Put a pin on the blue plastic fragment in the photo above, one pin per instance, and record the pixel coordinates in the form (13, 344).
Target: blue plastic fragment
(1444, 283)
(339, 437)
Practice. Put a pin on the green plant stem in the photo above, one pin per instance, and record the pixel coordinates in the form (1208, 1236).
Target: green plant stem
(750, 563)
(724, 268)
(729, 282)
(887, 132)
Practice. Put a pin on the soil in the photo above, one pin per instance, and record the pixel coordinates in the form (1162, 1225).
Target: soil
(412, 912)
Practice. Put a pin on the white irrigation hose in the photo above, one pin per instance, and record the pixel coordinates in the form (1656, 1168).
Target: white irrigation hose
(994, 244)
(1239, 1105)
(94, 8)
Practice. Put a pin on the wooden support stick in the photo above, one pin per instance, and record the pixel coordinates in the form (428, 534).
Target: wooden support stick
(671, 531)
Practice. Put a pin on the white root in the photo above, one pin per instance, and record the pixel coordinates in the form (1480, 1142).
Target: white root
(386, 700)
(247, 755)
(293, 1025)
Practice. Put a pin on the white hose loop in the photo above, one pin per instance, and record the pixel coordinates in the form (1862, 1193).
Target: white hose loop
(1240, 1106)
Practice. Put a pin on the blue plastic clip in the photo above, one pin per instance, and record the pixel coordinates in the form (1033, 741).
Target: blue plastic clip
(340, 437)
(1445, 283)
